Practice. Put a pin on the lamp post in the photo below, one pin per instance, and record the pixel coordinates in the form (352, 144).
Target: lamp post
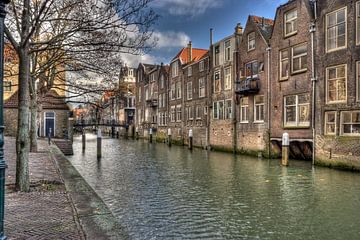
(2, 160)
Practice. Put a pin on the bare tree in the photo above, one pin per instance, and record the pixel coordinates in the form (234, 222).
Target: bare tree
(50, 36)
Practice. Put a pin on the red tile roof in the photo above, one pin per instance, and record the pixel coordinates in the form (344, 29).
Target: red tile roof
(267, 21)
(51, 100)
(197, 54)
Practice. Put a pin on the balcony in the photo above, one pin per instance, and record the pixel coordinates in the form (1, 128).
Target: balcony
(152, 102)
(248, 86)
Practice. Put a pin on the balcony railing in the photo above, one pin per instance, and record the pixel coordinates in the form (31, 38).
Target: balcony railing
(248, 86)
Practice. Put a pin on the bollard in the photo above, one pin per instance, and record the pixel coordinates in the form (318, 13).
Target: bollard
(126, 131)
(285, 149)
(136, 133)
(150, 135)
(117, 134)
(169, 136)
(99, 144)
(190, 139)
(83, 140)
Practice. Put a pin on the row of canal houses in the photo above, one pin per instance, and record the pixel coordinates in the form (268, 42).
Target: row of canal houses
(299, 74)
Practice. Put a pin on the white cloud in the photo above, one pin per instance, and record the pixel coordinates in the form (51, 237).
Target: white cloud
(171, 39)
(188, 7)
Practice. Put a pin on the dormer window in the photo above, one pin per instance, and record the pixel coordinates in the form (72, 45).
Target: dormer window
(290, 24)
(227, 50)
(174, 69)
(251, 41)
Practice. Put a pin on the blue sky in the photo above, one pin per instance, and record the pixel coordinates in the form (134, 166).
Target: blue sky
(184, 20)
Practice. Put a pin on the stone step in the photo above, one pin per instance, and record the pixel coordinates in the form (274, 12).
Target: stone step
(65, 146)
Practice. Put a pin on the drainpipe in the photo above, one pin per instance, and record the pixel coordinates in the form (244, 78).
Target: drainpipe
(313, 81)
(268, 50)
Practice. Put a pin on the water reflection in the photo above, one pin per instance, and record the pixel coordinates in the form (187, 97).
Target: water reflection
(158, 192)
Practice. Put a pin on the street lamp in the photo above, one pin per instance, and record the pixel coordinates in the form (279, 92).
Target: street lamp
(2, 160)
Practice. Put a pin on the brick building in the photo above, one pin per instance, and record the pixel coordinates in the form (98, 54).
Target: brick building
(338, 83)
(163, 95)
(291, 76)
(253, 85)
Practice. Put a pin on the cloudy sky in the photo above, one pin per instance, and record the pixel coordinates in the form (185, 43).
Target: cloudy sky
(184, 20)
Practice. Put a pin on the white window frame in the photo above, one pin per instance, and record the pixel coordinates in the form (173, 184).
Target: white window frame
(190, 113)
(174, 69)
(228, 110)
(298, 56)
(172, 114)
(326, 123)
(178, 113)
(215, 73)
(227, 84)
(297, 106)
(326, 30)
(252, 75)
(178, 90)
(327, 85)
(189, 70)
(227, 47)
(252, 44)
(189, 93)
(352, 123)
(244, 119)
(197, 111)
(162, 81)
(357, 15)
(262, 106)
(202, 87)
(173, 91)
(201, 66)
(215, 114)
(282, 60)
(292, 21)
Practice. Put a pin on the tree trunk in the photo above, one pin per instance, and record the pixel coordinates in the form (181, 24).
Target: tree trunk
(22, 140)
(33, 121)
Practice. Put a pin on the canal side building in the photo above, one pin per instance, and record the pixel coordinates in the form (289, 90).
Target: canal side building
(338, 83)
(291, 78)
(252, 86)
(163, 95)
(196, 80)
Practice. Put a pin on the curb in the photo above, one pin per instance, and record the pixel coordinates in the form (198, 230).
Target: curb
(91, 213)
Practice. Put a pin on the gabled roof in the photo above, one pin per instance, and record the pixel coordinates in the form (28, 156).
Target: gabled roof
(265, 26)
(183, 55)
(51, 100)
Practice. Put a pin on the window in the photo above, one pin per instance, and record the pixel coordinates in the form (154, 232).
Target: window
(198, 112)
(190, 115)
(259, 107)
(217, 83)
(297, 110)
(202, 87)
(358, 23)
(131, 72)
(164, 99)
(228, 109)
(174, 69)
(358, 80)
(205, 110)
(350, 123)
(152, 77)
(336, 84)
(147, 96)
(189, 91)
(172, 114)
(227, 50)
(251, 69)
(189, 71)
(290, 23)
(201, 66)
(336, 30)
(173, 91)
(330, 123)
(218, 110)
(178, 90)
(284, 64)
(251, 41)
(162, 81)
(244, 110)
(178, 113)
(7, 86)
(227, 78)
(299, 58)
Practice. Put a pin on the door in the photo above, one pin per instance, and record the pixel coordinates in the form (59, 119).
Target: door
(49, 124)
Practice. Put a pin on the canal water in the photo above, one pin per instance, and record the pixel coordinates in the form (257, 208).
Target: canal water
(157, 192)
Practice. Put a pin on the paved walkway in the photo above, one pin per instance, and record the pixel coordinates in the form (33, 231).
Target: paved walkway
(44, 213)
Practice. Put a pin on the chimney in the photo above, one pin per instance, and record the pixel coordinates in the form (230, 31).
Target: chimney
(238, 29)
(211, 36)
(189, 47)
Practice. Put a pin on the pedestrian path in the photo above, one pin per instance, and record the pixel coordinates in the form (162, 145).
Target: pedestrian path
(46, 212)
